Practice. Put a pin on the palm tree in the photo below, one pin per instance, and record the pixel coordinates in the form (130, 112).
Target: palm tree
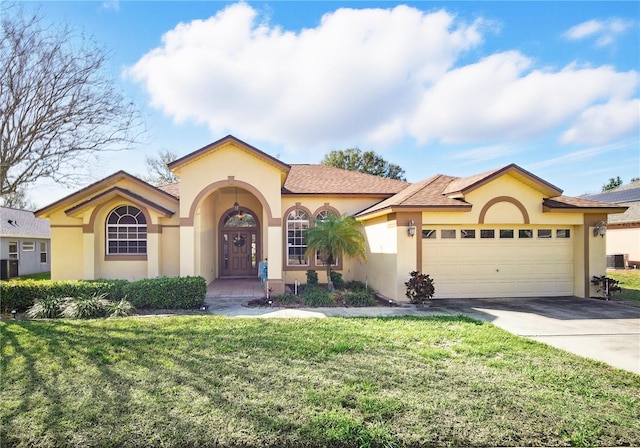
(333, 237)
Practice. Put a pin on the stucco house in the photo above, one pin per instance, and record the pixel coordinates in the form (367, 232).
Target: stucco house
(24, 243)
(623, 230)
(501, 233)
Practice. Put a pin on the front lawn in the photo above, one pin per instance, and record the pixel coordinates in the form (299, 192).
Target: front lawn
(199, 381)
(630, 284)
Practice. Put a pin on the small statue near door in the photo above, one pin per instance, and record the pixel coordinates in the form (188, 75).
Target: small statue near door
(262, 271)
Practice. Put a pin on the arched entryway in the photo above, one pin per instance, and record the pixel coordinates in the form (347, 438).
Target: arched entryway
(239, 242)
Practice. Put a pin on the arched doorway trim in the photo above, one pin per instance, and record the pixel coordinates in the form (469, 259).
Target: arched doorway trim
(239, 243)
(231, 181)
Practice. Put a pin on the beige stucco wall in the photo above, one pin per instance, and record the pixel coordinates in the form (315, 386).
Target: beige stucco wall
(208, 190)
(66, 250)
(624, 241)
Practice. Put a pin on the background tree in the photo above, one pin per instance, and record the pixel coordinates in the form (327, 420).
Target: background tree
(57, 108)
(334, 237)
(353, 159)
(158, 173)
(613, 183)
(19, 200)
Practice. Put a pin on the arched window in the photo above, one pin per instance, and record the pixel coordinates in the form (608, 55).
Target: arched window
(239, 219)
(297, 225)
(126, 231)
(321, 216)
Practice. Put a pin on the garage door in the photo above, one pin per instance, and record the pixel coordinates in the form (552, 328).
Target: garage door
(499, 262)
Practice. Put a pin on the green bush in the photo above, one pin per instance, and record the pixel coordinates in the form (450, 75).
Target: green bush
(123, 308)
(85, 307)
(22, 294)
(316, 296)
(336, 279)
(312, 277)
(287, 299)
(358, 298)
(167, 293)
(47, 308)
(355, 285)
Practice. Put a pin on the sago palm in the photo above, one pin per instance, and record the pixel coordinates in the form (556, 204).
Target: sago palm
(334, 237)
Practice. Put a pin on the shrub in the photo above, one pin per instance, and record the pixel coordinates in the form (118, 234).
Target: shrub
(287, 299)
(47, 308)
(315, 296)
(167, 293)
(355, 285)
(22, 294)
(358, 298)
(123, 308)
(85, 307)
(312, 277)
(420, 287)
(336, 279)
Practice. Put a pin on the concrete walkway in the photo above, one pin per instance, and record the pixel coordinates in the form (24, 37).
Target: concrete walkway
(596, 329)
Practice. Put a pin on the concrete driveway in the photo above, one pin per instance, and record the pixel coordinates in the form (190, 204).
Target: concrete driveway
(596, 329)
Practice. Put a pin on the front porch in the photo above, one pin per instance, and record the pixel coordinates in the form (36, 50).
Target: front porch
(235, 288)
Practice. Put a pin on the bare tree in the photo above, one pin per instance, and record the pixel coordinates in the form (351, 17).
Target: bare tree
(158, 173)
(18, 199)
(58, 109)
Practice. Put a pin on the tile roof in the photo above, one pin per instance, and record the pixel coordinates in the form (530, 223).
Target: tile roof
(15, 223)
(427, 193)
(322, 179)
(632, 215)
(173, 189)
(568, 202)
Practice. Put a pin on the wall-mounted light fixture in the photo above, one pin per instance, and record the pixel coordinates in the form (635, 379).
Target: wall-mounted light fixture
(600, 229)
(411, 230)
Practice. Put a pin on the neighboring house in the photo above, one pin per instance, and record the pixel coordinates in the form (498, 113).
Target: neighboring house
(502, 233)
(623, 230)
(24, 243)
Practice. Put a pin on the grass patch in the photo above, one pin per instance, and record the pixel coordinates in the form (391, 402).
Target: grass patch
(215, 381)
(40, 276)
(630, 285)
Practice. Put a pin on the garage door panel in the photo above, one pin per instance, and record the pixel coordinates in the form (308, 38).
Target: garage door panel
(499, 267)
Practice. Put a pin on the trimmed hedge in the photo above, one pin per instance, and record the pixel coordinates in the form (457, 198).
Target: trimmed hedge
(167, 293)
(21, 294)
(164, 293)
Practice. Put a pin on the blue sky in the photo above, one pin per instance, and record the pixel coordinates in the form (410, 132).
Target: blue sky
(437, 87)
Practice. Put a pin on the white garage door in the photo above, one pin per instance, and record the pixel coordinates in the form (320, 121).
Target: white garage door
(499, 261)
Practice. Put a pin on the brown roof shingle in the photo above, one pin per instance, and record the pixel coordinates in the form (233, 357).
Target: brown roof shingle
(322, 179)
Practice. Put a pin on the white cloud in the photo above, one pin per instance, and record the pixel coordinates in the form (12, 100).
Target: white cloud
(582, 155)
(601, 123)
(485, 153)
(374, 76)
(605, 31)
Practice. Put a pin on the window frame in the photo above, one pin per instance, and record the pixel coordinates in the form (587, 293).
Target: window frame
(318, 262)
(28, 246)
(290, 240)
(124, 234)
(44, 252)
(14, 255)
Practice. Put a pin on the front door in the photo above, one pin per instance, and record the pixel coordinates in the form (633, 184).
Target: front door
(239, 245)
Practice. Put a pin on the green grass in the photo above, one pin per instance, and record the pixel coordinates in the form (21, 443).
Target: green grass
(630, 284)
(40, 276)
(199, 381)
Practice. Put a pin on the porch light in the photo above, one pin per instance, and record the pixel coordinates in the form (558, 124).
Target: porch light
(600, 229)
(411, 230)
(236, 206)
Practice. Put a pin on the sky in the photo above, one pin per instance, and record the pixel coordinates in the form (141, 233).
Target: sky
(453, 87)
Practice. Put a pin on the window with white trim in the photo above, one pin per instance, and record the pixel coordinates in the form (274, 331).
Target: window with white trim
(297, 225)
(13, 250)
(126, 231)
(323, 215)
(43, 252)
(28, 246)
